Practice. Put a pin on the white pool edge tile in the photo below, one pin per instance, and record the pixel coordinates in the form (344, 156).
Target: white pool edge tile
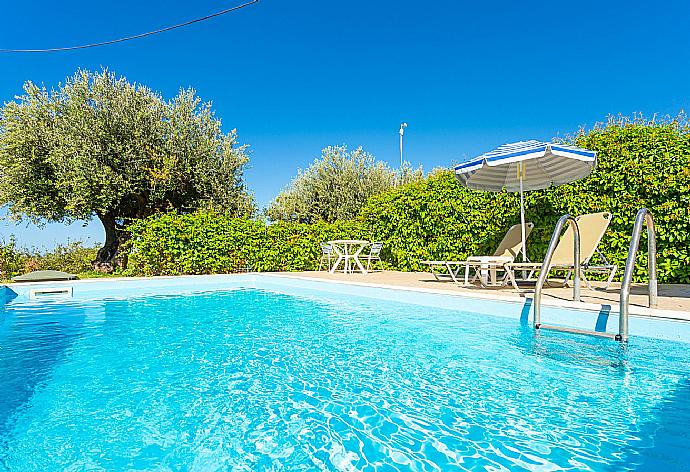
(595, 307)
(654, 323)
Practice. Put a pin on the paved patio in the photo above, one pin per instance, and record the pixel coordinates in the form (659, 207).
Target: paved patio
(672, 298)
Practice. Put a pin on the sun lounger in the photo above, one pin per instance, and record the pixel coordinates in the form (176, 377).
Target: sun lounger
(592, 228)
(44, 276)
(507, 251)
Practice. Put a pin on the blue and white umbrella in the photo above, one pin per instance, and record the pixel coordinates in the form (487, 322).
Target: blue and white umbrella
(526, 165)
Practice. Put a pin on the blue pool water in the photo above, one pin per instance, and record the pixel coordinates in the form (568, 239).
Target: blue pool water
(249, 379)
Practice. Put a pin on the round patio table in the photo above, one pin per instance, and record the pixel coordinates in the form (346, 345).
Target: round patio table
(348, 251)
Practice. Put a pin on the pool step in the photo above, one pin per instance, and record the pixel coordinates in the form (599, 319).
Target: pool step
(565, 329)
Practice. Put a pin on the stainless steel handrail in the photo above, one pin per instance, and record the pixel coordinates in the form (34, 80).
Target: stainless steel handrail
(546, 265)
(643, 216)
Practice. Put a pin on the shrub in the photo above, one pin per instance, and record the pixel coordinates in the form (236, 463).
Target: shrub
(640, 164)
(438, 219)
(73, 257)
(209, 242)
(12, 259)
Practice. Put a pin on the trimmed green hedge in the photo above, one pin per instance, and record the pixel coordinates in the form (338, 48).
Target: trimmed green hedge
(208, 243)
(640, 164)
(438, 219)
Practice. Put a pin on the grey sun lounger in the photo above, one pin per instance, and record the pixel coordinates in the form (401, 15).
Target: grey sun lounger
(592, 228)
(506, 252)
(44, 276)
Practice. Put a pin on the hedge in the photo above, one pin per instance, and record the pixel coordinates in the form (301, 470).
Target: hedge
(640, 164)
(208, 242)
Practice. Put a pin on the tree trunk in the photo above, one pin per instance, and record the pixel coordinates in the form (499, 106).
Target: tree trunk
(106, 255)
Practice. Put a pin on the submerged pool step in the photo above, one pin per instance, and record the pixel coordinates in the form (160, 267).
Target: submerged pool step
(587, 332)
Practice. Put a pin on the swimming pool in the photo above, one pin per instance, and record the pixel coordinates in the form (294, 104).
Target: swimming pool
(255, 375)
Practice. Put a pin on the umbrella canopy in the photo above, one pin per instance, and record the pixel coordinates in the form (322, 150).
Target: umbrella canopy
(526, 165)
(543, 165)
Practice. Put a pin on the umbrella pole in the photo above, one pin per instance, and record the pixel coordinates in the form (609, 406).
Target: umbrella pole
(521, 171)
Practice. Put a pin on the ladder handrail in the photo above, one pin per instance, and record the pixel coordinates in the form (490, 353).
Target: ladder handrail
(546, 265)
(643, 216)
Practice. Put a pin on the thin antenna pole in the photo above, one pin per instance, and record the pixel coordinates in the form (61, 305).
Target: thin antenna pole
(402, 132)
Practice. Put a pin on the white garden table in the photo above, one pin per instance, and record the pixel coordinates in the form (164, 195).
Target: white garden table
(348, 251)
(486, 268)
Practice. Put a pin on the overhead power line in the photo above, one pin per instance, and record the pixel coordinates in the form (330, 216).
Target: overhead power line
(137, 36)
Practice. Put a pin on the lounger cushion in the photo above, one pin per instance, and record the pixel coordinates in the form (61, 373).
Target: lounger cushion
(44, 276)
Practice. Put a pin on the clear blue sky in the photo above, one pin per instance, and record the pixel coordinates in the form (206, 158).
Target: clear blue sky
(296, 76)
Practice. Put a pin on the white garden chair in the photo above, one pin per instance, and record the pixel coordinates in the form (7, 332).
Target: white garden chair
(328, 255)
(374, 255)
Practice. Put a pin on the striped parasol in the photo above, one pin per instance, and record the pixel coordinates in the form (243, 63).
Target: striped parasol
(526, 165)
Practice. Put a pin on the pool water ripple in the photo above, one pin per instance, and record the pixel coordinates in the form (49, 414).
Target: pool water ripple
(255, 380)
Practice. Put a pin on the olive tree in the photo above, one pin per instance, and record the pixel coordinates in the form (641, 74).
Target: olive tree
(100, 146)
(336, 186)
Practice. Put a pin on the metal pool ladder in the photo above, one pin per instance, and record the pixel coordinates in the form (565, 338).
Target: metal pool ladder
(643, 217)
(544, 272)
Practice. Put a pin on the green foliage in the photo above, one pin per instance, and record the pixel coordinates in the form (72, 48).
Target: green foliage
(438, 219)
(12, 259)
(208, 242)
(101, 146)
(336, 186)
(640, 164)
(74, 258)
